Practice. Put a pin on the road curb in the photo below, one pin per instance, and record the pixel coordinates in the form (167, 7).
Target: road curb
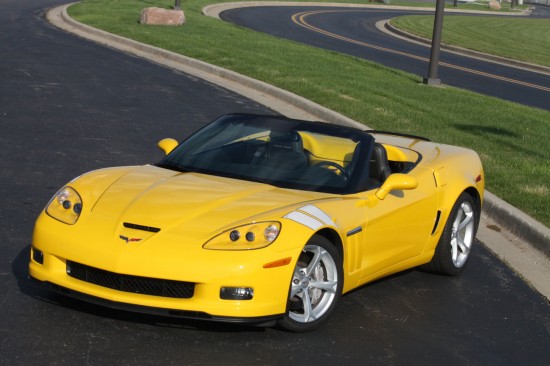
(504, 214)
(517, 223)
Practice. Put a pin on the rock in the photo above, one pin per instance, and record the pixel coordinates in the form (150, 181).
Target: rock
(159, 16)
(494, 5)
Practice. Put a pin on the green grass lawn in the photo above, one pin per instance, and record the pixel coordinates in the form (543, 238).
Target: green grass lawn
(481, 5)
(511, 139)
(517, 38)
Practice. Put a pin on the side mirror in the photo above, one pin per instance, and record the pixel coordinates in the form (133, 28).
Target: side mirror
(167, 145)
(396, 181)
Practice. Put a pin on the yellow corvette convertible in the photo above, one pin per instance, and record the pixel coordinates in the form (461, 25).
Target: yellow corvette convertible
(260, 219)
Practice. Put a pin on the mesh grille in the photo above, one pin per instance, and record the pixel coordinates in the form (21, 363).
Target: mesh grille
(134, 284)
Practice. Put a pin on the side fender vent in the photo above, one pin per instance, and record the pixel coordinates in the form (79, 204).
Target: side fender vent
(436, 224)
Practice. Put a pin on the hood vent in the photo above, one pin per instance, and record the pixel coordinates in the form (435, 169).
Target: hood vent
(141, 227)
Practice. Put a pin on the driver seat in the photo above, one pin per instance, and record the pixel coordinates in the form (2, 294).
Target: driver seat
(287, 152)
(379, 167)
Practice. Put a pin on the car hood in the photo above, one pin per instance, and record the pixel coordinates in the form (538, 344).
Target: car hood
(151, 198)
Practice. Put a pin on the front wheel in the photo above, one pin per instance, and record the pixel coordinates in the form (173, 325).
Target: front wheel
(315, 287)
(454, 246)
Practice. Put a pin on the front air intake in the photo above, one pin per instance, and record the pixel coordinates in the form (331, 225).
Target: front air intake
(127, 283)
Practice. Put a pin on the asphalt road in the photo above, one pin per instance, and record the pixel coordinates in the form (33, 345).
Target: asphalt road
(68, 106)
(353, 31)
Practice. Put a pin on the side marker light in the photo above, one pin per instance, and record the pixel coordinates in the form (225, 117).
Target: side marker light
(278, 263)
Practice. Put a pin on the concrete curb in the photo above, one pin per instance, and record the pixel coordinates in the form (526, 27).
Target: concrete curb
(519, 223)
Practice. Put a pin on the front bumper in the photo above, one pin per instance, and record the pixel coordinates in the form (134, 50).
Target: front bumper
(261, 321)
(270, 287)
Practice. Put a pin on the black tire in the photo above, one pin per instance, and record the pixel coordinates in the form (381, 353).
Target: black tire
(315, 287)
(455, 245)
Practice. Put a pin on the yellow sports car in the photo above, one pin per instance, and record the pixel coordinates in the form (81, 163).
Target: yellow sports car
(260, 219)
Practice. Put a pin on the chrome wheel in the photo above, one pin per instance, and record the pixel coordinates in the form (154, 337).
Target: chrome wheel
(462, 235)
(315, 286)
(457, 238)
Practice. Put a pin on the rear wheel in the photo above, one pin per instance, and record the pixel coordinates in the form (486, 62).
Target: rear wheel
(315, 286)
(454, 247)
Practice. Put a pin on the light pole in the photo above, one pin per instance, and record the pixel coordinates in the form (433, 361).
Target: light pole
(436, 45)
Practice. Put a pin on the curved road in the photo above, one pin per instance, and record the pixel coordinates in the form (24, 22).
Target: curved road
(68, 106)
(353, 31)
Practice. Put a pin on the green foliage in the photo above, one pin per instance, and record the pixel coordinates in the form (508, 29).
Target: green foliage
(511, 139)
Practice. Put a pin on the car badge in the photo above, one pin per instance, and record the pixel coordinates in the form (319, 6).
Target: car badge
(128, 240)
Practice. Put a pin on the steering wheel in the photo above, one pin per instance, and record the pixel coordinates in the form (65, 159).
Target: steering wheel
(343, 172)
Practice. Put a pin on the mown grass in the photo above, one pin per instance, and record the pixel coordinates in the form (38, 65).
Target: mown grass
(511, 139)
(482, 5)
(517, 38)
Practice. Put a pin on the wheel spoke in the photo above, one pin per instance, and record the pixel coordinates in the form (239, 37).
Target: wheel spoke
(454, 250)
(467, 219)
(329, 286)
(317, 257)
(308, 310)
(295, 289)
(458, 219)
(464, 248)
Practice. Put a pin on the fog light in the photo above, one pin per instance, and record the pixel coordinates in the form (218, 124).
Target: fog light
(37, 256)
(236, 293)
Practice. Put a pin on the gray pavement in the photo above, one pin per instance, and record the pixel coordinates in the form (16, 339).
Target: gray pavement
(511, 228)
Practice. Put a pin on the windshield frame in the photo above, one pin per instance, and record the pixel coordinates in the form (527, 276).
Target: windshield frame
(276, 125)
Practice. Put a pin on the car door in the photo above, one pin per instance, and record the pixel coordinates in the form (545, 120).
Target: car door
(398, 226)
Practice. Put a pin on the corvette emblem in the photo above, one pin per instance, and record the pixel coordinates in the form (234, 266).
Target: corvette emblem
(128, 240)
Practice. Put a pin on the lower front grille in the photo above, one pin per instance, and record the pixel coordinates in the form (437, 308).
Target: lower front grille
(127, 283)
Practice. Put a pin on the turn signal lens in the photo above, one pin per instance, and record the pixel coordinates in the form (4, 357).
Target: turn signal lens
(65, 206)
(246, 237)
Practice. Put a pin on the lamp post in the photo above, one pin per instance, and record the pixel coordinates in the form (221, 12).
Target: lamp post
(436, 45)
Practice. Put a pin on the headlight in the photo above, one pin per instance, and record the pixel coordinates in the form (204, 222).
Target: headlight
(246, 237)
(65, 206)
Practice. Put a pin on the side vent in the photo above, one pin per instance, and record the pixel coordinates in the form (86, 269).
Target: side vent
(141, 227)
(437, 217)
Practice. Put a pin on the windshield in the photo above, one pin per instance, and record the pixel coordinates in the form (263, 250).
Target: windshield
(275, 150)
